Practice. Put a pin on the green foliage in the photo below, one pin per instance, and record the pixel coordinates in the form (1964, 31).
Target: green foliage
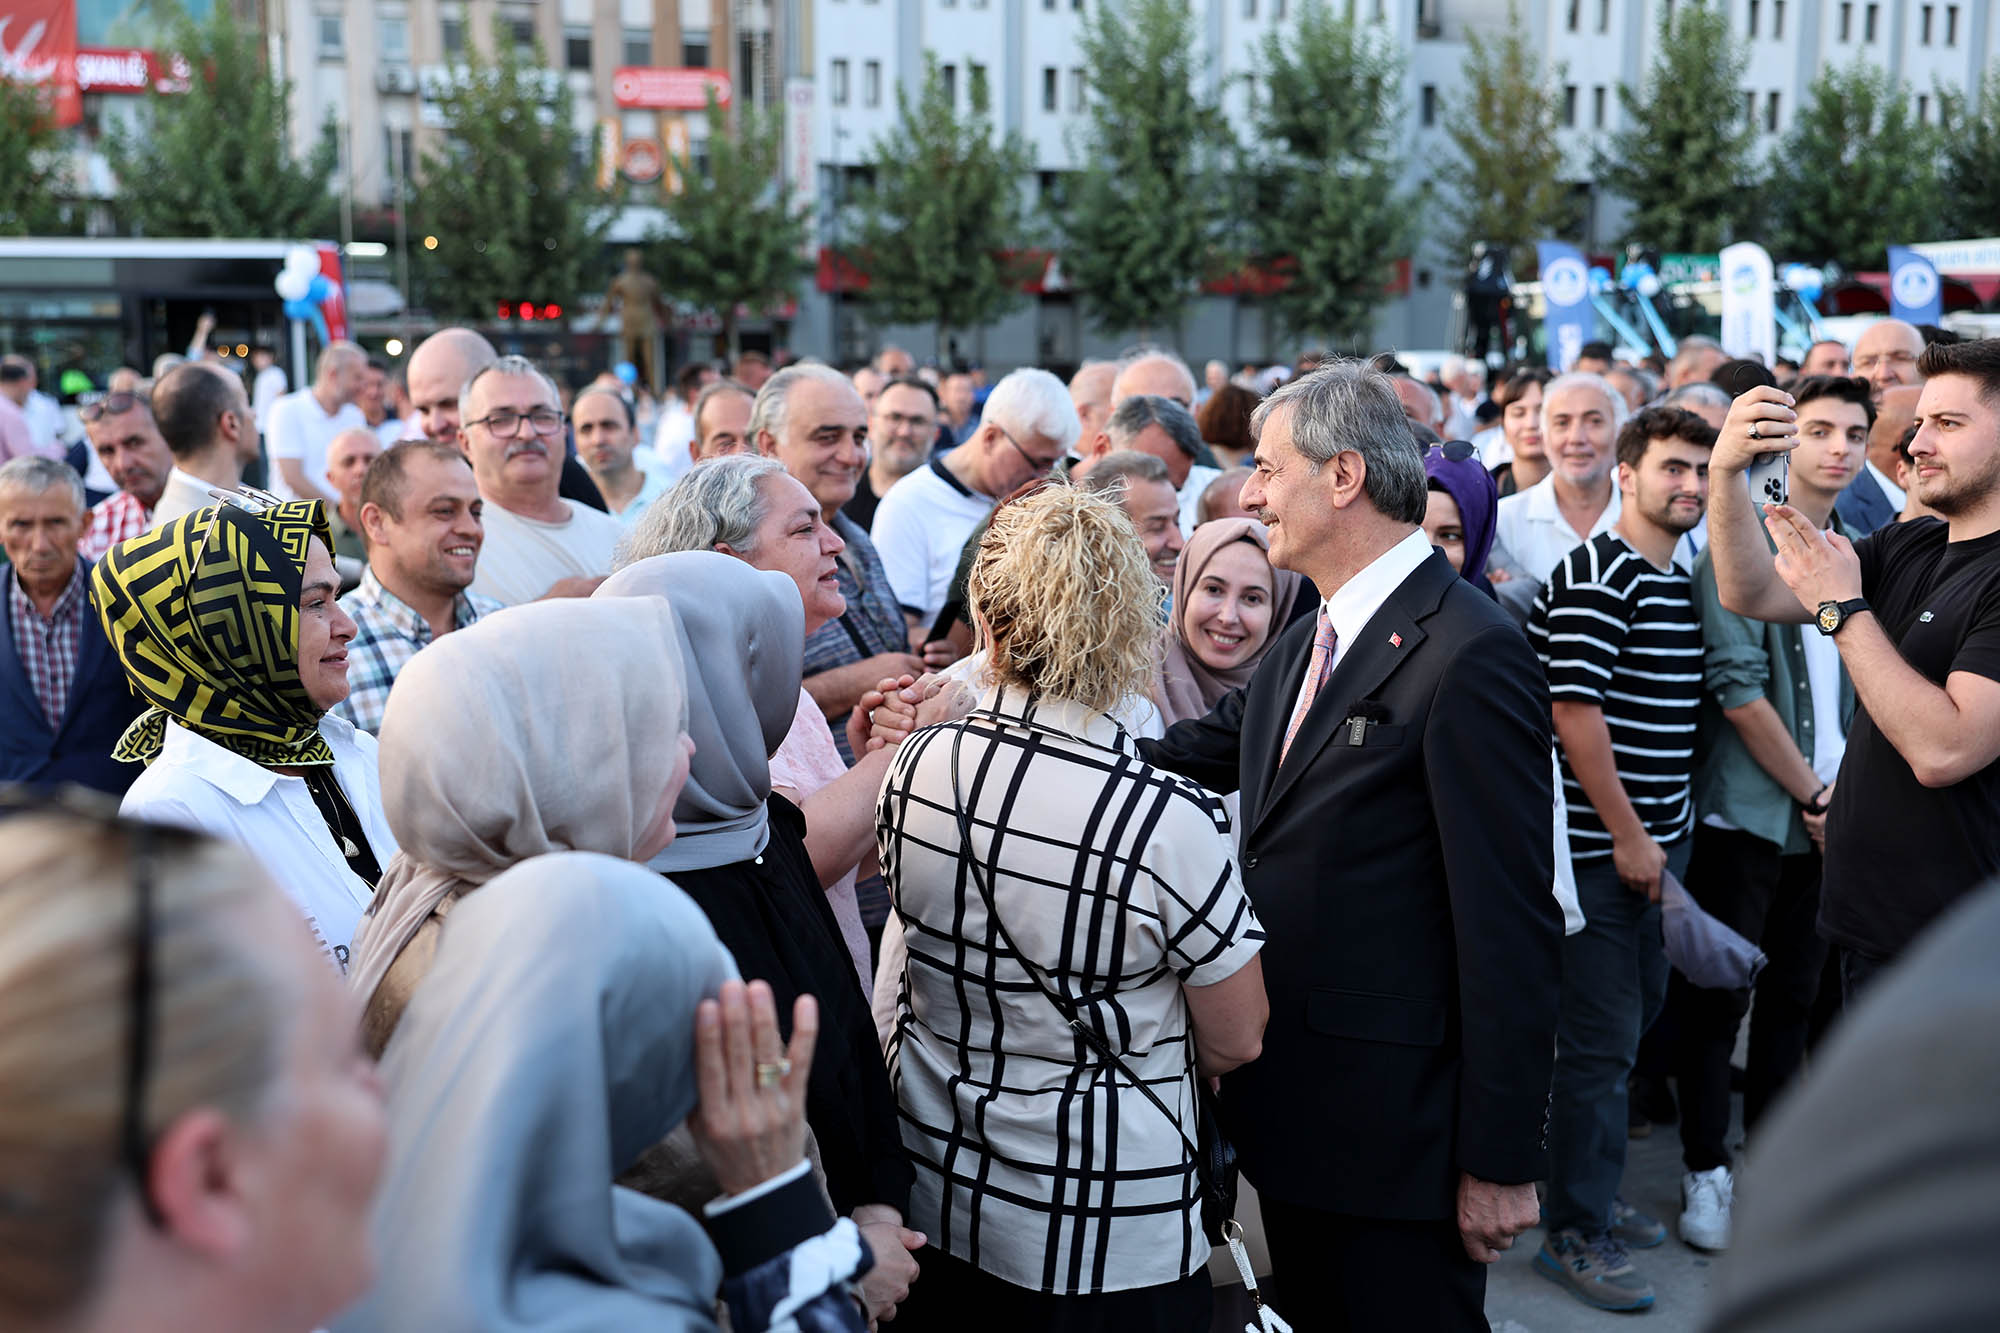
(1506, 169)
(510, 195)
(734, 236)
(1856, 173)
(1970, 193)
(945, 204)
(1143, 219)
(1685, 157)
(1323, 181)
(33, 177)
(217, 159)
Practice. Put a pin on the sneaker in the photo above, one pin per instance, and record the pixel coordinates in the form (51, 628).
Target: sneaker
(1706, 1197)
(1637, 1230)
(1595, 1270)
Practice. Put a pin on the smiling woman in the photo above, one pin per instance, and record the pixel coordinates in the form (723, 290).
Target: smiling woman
(1228, 606)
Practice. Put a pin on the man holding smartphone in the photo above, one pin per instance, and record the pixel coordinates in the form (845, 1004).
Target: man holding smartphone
(1914, 609)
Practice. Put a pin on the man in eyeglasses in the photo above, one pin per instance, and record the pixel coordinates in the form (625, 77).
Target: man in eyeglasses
(538, 544)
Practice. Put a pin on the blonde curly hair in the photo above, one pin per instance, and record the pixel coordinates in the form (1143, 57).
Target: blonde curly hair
(1065, 602)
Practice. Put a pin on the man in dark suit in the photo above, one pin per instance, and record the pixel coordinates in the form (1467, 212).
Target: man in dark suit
(63, 697)
(1393, 757)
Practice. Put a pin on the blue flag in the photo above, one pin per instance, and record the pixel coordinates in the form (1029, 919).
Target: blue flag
(1915, 294)
(1566, 301)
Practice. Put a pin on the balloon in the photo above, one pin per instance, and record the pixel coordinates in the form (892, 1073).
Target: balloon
(1600, 278)
(318, 289)
(293, 285)
(1649, 285)
(626, 372)
(302, 259)
(300, 308)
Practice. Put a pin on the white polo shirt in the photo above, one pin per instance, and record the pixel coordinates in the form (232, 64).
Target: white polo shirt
(920, 531)
(1531, 536)
(300, 428)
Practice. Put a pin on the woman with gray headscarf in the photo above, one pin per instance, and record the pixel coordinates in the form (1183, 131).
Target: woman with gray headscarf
(740, 852)
(570, 1019)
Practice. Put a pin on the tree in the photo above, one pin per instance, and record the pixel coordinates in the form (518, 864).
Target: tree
(944, 208)
(33, 178)
(1970, 176)
(1685, 157)
(734, 236)
(1143, 219)
(1857, 173)
(1323, 182)
(216, 160)
(510, 194)
(1506, 182)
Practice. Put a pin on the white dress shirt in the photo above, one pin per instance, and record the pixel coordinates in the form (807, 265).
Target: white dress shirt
(1898, 497)
(1531, 536)
(1190, 492)
(1355, 602)
(196, 784)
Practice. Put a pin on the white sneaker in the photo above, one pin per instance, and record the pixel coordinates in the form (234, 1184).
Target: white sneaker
(1706, 1197)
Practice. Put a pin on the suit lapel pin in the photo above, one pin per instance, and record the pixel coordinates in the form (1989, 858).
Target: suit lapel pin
(1395, 641)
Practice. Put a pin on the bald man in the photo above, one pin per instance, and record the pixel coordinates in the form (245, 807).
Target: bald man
(347, 460)
(1164, 375)
(1090, 391)
(1886, 355)
(303, 424)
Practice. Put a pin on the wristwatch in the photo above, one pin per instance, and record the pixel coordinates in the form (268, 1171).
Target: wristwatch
(1832, 615)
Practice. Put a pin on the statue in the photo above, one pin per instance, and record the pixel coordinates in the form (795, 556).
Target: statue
(634, 295)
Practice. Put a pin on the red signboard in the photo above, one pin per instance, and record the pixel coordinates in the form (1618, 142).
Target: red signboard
(38, 48)
(648, 88)
(129, 70)
(641, 161)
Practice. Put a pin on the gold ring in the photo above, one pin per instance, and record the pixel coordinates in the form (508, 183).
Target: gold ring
(770, 1073)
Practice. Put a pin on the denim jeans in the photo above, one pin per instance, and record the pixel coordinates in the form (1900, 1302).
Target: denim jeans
(1614, 981)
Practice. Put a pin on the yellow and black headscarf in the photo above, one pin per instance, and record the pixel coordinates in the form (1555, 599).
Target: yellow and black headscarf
(203, 613)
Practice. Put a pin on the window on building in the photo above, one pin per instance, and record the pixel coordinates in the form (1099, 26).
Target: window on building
(1951, 25)
(1575, 14)
(638, 47)
(979, 4)
(1771, 114)
(1049, 5)
(1925, 26)
(1076, 6)
(392, 37)
(1076, 90)
(1277, 9)
(1751, 9)
(451, 31)
(576, 46)
(1777, 20)
(871, 83)
(1604, 15)
(1569, 105)
(975, 84)
(837, 84)
(1249, 9)
(949, 75)
(1846, 22)
(1873, 13)
(522, 30)
(332, 37)
(1923, 109)
(694, 50)
(1051, 87)
(399, 157)
(1598, 98)
(1750, 107)
(1427, 105)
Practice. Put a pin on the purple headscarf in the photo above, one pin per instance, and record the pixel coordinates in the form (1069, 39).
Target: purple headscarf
(1478, 504)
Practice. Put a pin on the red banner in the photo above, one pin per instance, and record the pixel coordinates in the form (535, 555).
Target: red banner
(38, 48)
(130, 70)
(654, 89)
(334, 307)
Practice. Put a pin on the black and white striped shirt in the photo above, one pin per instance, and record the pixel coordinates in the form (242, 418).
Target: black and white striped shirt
(1035, 1160)
(1613, 630)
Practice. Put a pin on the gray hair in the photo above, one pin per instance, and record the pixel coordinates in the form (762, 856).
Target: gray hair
(506, 365)
(1112, 474)
(1346, 406)
(721, 500)
(713, 390)
(767, 413)
(37, 475)
(1034, 402)
(1708, 395)
(1137, 413)
(1614, 401)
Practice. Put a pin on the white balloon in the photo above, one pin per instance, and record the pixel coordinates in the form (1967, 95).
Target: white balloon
(301, 259)
(293, 284)
(1649, 285)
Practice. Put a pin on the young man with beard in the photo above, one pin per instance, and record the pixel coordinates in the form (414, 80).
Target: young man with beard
(1914, 609)
(1617, 632)
(420, 510)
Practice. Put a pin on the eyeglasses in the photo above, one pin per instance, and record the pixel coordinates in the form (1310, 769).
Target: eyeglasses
(505, 422)
(1038, 464)
(112, 404)
(136, 1145)
(1455, 451)
(248, 499)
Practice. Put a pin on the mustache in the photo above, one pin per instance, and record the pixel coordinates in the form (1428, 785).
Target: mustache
(519, 447)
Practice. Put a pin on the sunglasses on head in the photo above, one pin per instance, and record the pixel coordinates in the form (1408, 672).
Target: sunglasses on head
(111, 404)
(1455, 451)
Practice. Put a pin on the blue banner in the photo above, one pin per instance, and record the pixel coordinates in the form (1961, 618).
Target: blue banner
(1566, 317)
(1915, 294)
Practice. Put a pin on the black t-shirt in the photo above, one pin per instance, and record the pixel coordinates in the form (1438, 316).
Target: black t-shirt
(861, 506)
(1898, 853)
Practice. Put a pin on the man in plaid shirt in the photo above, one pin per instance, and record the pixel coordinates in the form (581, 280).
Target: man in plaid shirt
(129, 444)
(420, 511)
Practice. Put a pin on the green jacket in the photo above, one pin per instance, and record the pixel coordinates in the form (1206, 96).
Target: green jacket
(1743, 660)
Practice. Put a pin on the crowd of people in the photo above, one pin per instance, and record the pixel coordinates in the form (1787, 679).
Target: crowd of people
(846, 845)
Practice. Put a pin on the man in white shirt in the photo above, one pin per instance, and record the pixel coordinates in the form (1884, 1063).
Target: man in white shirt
(1877, 498)
(210, 427)
(605, 441)
(1150, 424)
(923, 522)
(45, 419)
(268, 386)
(377, 403)
(538, 544)
(1581, 414)
(303, 424)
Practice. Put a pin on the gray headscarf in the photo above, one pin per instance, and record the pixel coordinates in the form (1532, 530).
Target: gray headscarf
(742, 635)
(552, 1041)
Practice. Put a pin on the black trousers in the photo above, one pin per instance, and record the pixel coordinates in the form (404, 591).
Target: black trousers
(952, 1296)
(1336, 1274)
(1771, 900)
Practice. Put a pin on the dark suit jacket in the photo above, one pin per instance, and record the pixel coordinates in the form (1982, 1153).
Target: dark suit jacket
(1413, 954)
(101, 706)
(1863, 507)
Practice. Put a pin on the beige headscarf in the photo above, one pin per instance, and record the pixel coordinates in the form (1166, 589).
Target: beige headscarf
(549, 727)
(1189, 687)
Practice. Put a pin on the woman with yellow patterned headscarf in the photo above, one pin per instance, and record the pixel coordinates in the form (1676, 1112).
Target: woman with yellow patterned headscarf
(226, 623)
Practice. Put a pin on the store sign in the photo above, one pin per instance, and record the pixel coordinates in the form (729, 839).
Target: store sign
(641, 162)
(38, 48)
(129, 70)
(648, 88)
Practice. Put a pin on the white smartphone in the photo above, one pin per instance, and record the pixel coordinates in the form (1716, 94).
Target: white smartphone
(1769, 475)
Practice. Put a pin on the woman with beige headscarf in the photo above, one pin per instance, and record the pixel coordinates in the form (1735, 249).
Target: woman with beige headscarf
(503, 742)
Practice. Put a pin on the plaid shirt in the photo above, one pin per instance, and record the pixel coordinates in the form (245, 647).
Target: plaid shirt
(48, 647)
(116, 518)
(872, 624)
(388, 633)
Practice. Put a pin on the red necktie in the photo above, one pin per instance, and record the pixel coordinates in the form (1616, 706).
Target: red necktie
(1317, 670)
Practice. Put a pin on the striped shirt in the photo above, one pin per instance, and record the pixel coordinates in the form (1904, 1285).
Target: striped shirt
(1614, 631)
